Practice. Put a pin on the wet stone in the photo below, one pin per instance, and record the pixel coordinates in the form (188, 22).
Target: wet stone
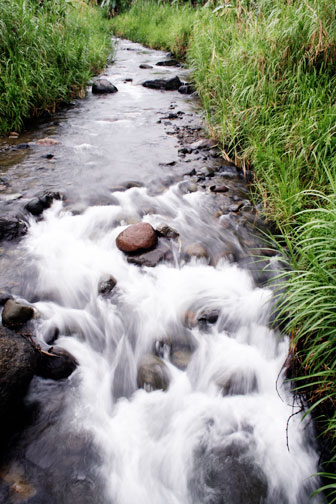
(11, 228)
(58, 365)
(16, 314)
(163, 84)
(153, 373)
(37, 205)
(144, 66)
(219, 189)
(152, 258)
(181, 358)
(186, 89)
(103, 86)
(18, 363)
(166, 231)
(106, 285)
(4, 296)
(168, 62)
(137, 238)
(227, 475)
(186, 187)
(197, 250)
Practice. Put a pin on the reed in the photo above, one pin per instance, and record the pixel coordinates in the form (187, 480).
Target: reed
(48, 52)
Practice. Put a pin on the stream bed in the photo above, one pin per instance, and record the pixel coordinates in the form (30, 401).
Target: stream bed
(179, 396)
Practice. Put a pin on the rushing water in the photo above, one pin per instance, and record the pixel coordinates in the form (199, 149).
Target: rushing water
(220, 433)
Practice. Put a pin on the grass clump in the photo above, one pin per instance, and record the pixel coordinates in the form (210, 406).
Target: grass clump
(162, 26)
(48, 52)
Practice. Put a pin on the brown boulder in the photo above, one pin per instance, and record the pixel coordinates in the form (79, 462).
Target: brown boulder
(136, 238)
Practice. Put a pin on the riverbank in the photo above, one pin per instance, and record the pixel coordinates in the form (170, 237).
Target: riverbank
(266, 79)
(49, 51)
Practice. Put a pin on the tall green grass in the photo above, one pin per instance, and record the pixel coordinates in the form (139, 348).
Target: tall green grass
(162, 26)
(266, 74)
(48, 53)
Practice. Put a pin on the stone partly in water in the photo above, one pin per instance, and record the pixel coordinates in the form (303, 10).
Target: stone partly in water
(47, 141)
(18, 364)
(137, 238)
(228, 475)
(186, 89)
(11, 228)
(144, 66)
(166, 231)
(37, 205)
(164, 84)
(168, 62)
(16, 314)
(103, 86)
(106, 285)
(56, 366)
(153, 373)
(4, 296)
(197, 250)
(151, 258)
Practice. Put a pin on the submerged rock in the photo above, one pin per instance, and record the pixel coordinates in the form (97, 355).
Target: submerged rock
(136, 238)
(197, 250)
(11, 228)
(153, 373)
(164, 84)
(56, 366)
(144, 66)
(16, 314)
(227, 475)
(103, 86)
(18, 364)
(106, 285)
(181, 358)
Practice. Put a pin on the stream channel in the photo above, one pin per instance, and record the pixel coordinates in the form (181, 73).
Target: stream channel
(179, 396)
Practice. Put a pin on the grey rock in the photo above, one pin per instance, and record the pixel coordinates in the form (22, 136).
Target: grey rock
(18, 363)
(37, 205)
(186, 89)
(103, 86)
(11, 228)
(163, 84)
(153, 373)
(228, 474)
(219, 189)
(58, 365)
(106, 285)
(16, 314)
(166, 231)
(150, 259)
(4, 296)
(144, 66)
(187, 187)
(168, 62)
(180, 358)
(196, 250)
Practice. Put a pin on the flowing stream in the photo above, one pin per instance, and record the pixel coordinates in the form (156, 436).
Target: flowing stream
(220, 433)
